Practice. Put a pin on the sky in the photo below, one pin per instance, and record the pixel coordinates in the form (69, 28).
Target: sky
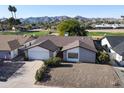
(91, 11)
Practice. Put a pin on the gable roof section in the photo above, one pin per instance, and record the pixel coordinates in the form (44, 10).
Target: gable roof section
(10, 42)
(61, 41)
(115, 40)
(117, 43)
(13, 44)
(21, 39)
(47, 44)
(9, 45)
(78, 43)
(120, 48)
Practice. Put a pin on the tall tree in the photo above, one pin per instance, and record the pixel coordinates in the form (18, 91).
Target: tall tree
(14, 10)
(10, 8)
(72, 27)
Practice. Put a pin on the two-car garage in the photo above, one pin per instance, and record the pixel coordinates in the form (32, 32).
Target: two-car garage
(38, 53)
(42, 51)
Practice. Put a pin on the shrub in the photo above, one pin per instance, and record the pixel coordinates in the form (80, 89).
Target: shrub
(103, 57)
(40, 73)
(53, 62)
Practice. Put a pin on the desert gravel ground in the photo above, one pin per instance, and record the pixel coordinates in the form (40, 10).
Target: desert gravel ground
(82, 75)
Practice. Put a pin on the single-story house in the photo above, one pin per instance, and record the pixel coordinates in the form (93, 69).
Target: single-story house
(11, 44)
(114, 45)
(21, 28)
(71, 48)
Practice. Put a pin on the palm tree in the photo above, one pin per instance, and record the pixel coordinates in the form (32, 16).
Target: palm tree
(10, 8)
(14, 10)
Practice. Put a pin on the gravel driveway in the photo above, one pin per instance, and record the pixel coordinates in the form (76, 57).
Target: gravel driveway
(24, 77)
(83, 75)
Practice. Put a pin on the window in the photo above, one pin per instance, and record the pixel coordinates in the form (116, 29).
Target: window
(72, 55)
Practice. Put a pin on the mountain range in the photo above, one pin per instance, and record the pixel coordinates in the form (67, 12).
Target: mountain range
(57, 19)
(49, 19)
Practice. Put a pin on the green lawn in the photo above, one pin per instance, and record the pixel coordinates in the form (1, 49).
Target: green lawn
(106, 33)
(41, 33)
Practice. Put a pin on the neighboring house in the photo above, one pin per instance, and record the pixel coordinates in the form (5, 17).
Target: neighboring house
(11, 45)
(21, 28)
(109, 26)
(114, 45)
(8, 49)
(71, 48)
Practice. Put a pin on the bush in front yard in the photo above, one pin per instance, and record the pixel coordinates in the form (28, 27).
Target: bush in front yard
(53, 62)
(40, 73)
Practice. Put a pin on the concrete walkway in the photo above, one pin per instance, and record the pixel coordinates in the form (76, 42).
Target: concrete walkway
(24, 77)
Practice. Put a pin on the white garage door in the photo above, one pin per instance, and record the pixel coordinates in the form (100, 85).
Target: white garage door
(38, 53)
